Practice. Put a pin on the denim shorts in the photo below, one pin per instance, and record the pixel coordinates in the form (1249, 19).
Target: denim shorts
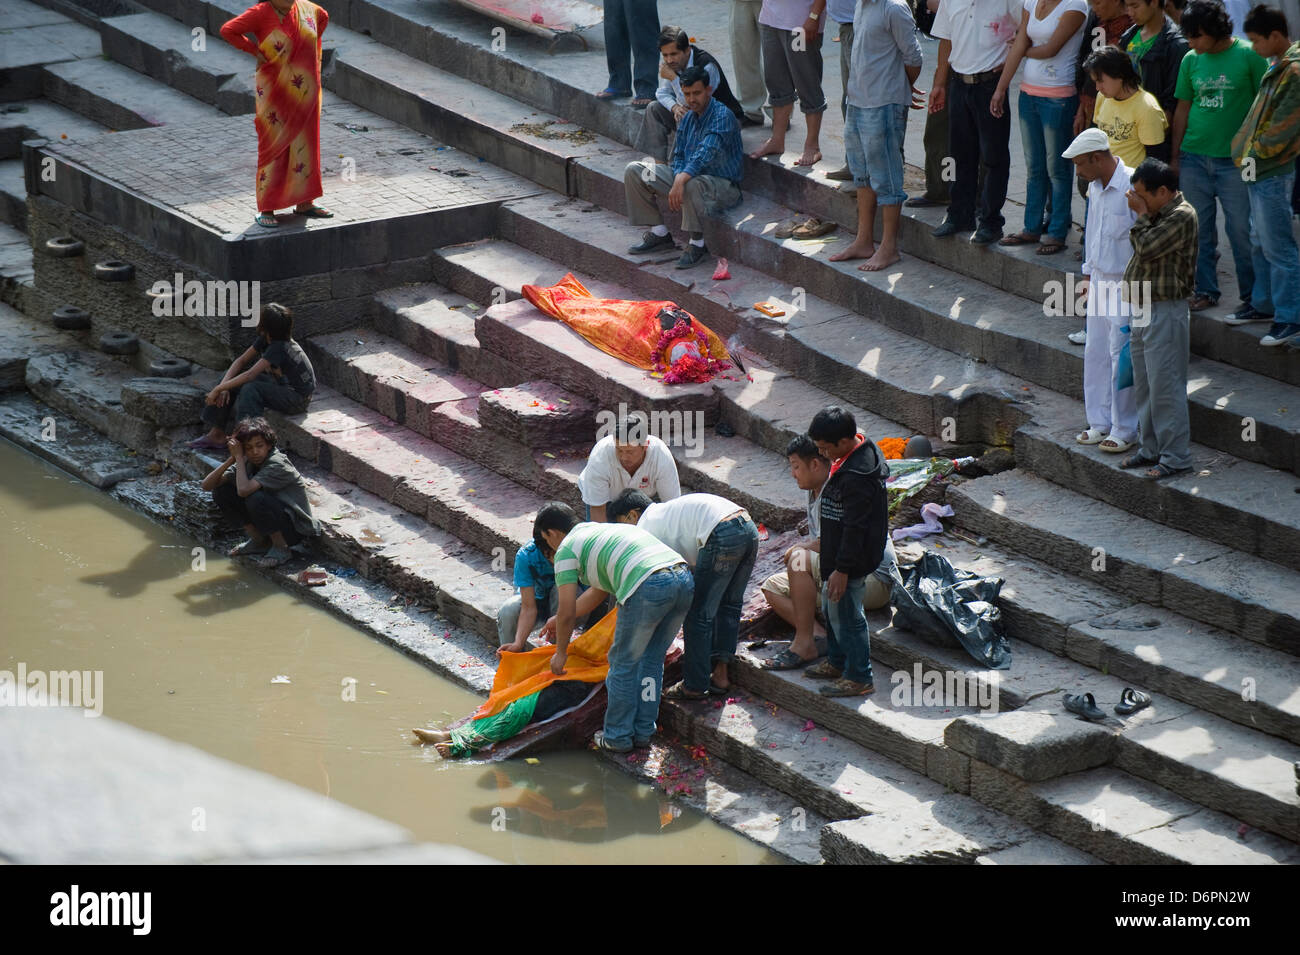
(873, 139)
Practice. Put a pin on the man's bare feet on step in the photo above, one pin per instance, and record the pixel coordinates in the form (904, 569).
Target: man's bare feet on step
(811, 157)
(882, 259)
(770, 148)
(856, 250)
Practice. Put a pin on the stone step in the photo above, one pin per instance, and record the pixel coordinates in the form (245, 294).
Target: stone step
(120, 98)
(874, 366)
(440, 323)
(450, 109)
(1245, 505)
(41, 119)
(984, 322)
(1213, 583)
(22, 339)
(88, 386)
(70, 444)
(821, 772)
(162, 49)
(1128, 821)
(17, 277)
(754, 476)
(1159, 650)
(372, 451)
(34, 37)
(13, 194)
(456, 42)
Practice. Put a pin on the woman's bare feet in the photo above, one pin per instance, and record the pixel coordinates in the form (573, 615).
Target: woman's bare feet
(772, 147)
(432, 736)
(857, 250)
(883, 258)
(811, 156)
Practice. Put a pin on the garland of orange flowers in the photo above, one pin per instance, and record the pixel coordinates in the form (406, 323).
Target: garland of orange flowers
(687, 368)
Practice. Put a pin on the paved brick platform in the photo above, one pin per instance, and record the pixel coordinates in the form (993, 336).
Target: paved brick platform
(189, 188)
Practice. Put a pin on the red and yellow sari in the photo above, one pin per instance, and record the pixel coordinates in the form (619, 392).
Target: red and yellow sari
(288, 99)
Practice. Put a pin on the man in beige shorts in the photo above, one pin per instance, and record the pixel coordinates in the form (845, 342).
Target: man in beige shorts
(794, 593)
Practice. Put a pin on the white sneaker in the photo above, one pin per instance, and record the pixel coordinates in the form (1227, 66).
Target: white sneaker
(1080, 337)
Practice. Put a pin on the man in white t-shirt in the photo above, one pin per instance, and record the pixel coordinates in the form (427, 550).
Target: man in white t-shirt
(974, 38)
(720, 543)
(629, 458)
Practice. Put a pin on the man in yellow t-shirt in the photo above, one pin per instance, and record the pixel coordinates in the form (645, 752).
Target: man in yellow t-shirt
(1130, 117)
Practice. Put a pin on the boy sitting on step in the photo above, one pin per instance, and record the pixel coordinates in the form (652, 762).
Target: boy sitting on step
(260, 489)
(281, 377)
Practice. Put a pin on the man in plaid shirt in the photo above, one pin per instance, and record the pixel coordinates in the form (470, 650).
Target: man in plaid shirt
(704, 176)
(1160, 275)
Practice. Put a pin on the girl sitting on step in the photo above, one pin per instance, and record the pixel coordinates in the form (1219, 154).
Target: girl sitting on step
(281, 377)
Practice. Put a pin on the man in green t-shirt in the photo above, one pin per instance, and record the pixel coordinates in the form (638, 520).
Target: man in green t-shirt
(1217, 82)
(653, 587)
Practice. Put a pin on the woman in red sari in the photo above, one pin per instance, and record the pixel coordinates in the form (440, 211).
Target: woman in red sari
(288, 54)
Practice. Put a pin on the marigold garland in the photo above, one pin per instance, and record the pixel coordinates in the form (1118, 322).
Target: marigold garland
(688, 368)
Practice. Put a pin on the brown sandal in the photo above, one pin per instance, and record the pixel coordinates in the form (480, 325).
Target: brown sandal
(1050, 247)
(813, 229)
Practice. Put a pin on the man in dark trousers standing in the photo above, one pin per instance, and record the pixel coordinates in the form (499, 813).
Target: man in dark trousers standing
(854, 529)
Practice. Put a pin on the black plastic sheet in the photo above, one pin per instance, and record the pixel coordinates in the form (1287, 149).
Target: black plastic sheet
(953, 608)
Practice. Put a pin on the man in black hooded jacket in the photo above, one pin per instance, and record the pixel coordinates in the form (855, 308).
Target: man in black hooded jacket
(854, 528)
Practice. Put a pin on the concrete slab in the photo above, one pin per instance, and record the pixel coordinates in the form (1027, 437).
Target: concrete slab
(1032, 744)
(120, 98)
(41, 119)
(88, 386)
(1040, 850)
(72, 445)
(97, 791)
(951, 830)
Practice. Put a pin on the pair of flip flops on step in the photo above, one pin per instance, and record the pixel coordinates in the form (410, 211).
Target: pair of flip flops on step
(1130, 701)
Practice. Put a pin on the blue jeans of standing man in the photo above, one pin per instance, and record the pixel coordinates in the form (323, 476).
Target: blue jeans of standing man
(1277, 260)
(1046, 128)
(632, 40)
(646, 626)
(848, 637)
(712, 624)
(1203, 179)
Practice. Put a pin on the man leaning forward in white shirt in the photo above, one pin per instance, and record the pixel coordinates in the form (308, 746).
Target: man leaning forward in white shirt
(1112, 410)
(631, 457)
(720, 543)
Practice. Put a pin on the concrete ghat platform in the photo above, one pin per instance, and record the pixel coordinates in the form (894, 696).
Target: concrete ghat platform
(161, 186)
(97, 791)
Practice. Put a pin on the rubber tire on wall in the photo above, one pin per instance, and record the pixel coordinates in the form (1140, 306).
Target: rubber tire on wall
(169, 368)
(114, 270)
(71, 319)
(119, 343)
(64, 247)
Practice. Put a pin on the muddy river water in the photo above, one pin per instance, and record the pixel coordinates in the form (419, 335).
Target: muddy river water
(88, 584)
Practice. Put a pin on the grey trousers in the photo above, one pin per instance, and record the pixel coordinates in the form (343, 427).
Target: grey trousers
(1160, 350)
(705, 195)
(746, 58)
(508, 616)
(658, 131)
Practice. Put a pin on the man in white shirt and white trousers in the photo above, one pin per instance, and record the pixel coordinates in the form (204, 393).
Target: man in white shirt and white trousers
(1112, 411)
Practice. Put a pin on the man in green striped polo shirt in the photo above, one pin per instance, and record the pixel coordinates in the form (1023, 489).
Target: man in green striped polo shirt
(653, 587)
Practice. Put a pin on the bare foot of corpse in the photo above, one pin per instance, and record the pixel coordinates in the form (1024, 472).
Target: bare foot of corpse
(432, 736)
(444, 750)
(773, 147)
(857, 250)
(883, 258)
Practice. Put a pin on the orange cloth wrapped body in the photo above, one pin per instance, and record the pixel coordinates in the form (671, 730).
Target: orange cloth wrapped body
(627, 330)
(519, 674)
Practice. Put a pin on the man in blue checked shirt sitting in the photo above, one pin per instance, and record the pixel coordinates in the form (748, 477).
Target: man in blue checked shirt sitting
(704, 176)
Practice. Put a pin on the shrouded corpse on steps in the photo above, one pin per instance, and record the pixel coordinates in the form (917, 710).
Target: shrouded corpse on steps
(954, 608)
(660, 337)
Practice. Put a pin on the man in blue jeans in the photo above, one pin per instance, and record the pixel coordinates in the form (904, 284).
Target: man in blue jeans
(720, 543)
(1265, 148)
(854, 528)
(654, 589)
(1217, 82)
(632, 50)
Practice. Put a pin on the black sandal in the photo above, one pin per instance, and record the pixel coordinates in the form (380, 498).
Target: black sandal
(1084, 705)
(1131, 700)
